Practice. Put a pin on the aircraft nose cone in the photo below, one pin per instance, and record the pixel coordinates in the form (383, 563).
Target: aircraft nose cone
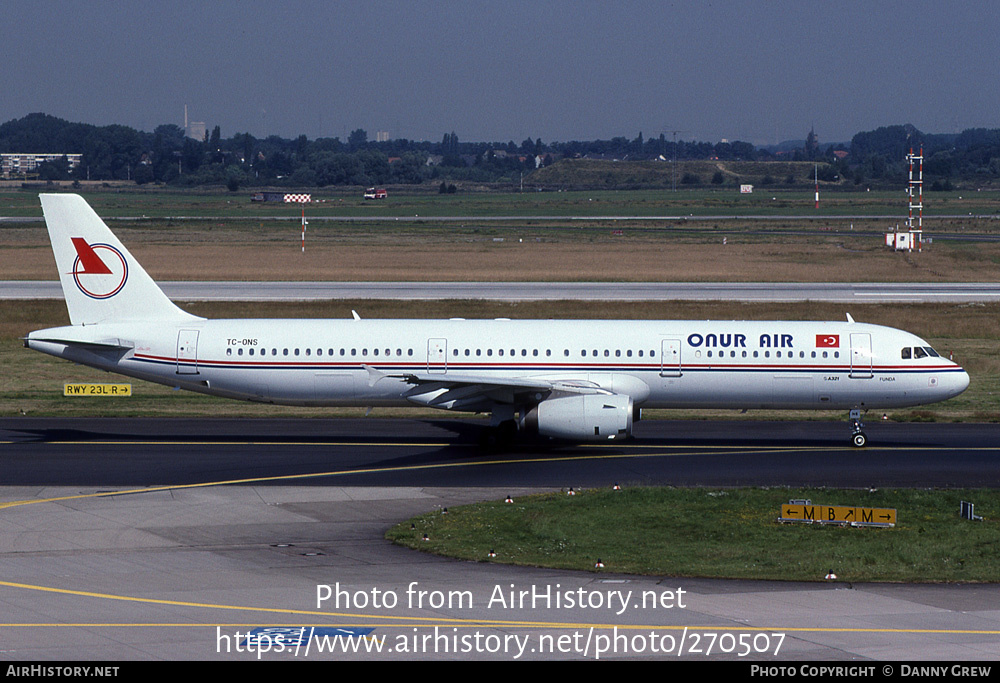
(957, 383)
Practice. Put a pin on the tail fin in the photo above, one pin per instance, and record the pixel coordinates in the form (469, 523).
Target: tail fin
(101, 280)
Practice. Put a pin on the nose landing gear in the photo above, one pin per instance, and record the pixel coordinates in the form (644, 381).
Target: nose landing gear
(858, 438)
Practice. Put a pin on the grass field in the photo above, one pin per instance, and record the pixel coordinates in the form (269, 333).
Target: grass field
(730, 533)
(413, 201)
(272, 251)
(230, 245)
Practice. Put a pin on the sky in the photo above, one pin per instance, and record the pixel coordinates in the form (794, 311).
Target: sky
(762, 71)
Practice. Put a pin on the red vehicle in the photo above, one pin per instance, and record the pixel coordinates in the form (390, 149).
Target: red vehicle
(376, 193)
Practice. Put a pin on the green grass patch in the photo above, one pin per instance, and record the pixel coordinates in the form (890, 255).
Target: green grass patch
(722, 533)
(616, 189)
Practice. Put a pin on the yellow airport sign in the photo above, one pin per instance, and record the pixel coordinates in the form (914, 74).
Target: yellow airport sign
(838, 514)
(97, 389)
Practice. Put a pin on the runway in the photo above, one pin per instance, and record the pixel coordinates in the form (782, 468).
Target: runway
(164, 539)
(843, 292)
(445, 452)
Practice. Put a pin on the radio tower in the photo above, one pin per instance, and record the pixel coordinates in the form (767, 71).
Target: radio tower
(916, 188)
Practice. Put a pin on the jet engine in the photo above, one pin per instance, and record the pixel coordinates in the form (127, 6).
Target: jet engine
(582, 417)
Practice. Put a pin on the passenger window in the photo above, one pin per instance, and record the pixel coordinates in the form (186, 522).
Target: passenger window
(229, 352)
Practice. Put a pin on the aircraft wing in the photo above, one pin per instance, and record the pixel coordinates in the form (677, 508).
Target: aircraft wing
(476, 392)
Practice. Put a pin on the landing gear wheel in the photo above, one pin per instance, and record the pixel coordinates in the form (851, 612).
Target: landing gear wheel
(859, 440)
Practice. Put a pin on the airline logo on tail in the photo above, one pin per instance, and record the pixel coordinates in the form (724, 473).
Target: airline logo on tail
(100, 270)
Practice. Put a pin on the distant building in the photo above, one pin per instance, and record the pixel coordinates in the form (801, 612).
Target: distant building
(382, 136)
(194, 129)
(21, 164)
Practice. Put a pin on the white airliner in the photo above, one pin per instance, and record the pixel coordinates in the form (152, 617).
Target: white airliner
(569, 379)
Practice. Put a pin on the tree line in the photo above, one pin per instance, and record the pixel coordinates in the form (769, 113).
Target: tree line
(167, 155)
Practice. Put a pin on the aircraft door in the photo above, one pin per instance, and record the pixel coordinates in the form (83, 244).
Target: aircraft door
(861, 356)
(670, 358)
(187, 352)
(437, 356)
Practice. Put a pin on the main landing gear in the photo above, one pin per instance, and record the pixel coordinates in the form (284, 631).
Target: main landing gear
(858, 438)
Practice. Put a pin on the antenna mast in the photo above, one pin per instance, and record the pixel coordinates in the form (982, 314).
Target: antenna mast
(916, 187)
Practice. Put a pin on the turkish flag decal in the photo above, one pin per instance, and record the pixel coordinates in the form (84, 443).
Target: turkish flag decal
(827, 341)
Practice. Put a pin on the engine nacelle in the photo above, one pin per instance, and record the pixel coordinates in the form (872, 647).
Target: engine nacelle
(582, 417)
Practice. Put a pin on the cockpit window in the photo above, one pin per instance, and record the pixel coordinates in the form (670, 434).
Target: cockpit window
(918, 352)
(931, 352)
(906, 353)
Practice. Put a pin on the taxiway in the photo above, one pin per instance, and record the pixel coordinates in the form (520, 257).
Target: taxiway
(171, 540)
